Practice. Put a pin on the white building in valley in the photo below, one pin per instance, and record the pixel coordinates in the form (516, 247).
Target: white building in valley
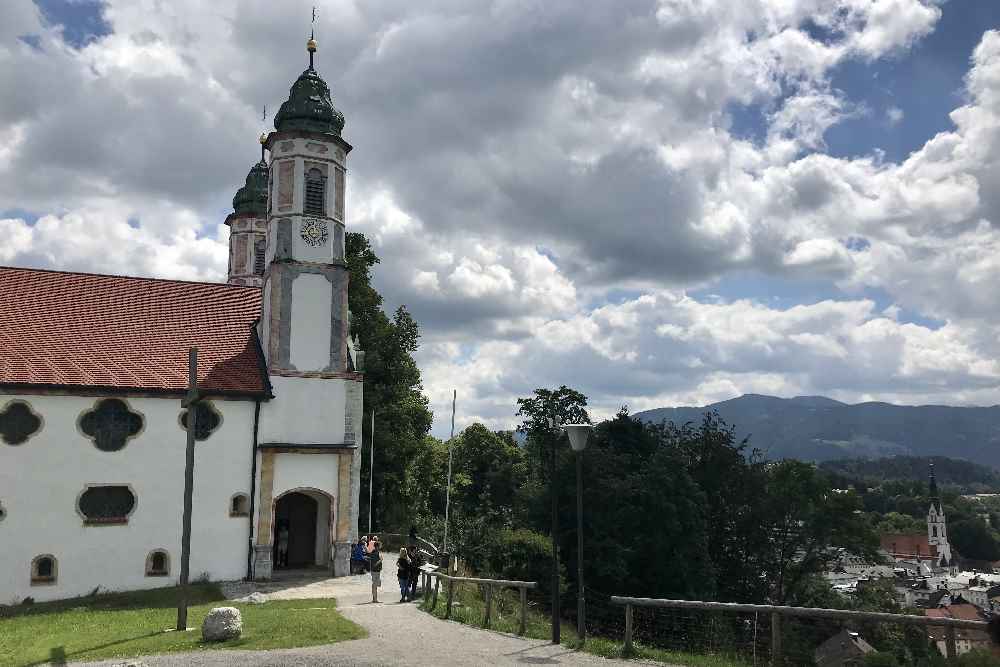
(93, 369)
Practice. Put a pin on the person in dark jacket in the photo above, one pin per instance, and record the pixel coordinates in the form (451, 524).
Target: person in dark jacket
(416, 560)
(375, 567)
(403, 573)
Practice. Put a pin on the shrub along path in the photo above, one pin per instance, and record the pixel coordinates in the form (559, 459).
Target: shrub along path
(398, 634)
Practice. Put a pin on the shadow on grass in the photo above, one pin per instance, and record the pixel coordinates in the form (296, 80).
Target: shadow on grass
(59, 656)
(154, 598)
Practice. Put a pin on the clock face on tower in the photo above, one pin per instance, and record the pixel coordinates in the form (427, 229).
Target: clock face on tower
(314, 232)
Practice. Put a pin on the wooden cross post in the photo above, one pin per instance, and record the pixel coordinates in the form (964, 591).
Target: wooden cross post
(190, 402)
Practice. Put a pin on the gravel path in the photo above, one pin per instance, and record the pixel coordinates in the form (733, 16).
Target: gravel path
(399, 634)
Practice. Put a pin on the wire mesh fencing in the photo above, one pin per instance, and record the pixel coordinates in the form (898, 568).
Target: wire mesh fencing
(774, 635)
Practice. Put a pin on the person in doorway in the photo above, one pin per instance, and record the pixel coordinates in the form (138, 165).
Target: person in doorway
(375, 567)
(416, 560)
(403, 574)
(283, 544)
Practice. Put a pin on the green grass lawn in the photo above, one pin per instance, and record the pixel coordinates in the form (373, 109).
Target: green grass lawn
(126, 625)
(506, 616)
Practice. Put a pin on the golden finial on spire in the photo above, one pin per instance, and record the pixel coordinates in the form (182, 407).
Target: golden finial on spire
(311, 44)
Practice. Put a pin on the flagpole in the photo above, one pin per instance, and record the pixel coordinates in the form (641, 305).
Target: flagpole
(371, 476)
(447, 497)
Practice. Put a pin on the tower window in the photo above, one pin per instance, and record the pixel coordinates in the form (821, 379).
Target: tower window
(259, 247)
(315, 201)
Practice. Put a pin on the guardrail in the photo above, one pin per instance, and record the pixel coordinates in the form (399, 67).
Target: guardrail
(490, 584)
(776, 612)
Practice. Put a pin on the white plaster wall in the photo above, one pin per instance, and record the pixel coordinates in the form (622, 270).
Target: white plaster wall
(312, 297)
(41, 479)
(304, 411)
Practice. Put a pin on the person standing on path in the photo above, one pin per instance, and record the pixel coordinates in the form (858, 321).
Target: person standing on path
(403, 574)
(375, 565)
(415, 561)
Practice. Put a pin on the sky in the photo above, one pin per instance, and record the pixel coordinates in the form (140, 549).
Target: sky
(656, 202)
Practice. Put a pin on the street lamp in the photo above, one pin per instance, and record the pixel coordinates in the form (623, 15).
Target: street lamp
(579, 434)
(554, 424)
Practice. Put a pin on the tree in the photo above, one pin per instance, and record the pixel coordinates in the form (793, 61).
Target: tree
(804, 519)
(973, 539)
(392, 389)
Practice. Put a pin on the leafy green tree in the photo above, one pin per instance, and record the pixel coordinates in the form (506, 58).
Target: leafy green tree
(392, 389)
(803, 519)
(973, 539)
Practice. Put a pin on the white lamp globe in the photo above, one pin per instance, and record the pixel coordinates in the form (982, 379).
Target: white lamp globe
(578, 435)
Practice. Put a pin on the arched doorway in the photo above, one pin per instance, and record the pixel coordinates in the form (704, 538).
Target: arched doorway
(295, 513)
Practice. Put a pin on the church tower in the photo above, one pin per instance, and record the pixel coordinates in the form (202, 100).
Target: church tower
(305, 290)
(937, 528)
(248, 226)
(309, 458)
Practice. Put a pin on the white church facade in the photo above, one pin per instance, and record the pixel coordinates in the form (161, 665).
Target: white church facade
(93, 369)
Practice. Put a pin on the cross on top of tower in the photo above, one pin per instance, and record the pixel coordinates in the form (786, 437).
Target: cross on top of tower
(311, 44)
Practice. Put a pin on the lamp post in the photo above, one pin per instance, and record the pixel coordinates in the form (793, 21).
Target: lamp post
(554, 423)
(579, 434)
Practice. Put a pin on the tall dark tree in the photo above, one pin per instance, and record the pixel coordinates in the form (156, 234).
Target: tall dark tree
(392, 390)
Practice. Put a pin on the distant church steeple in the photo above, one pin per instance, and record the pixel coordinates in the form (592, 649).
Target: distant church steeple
(937, 525)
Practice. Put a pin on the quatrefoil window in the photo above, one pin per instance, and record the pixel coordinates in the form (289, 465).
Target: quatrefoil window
(208, 419)
(111, 423)
(18, 423)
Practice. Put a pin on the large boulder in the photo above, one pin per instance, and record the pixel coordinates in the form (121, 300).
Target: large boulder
(222, 623)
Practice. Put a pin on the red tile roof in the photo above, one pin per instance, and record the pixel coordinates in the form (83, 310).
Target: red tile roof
(117, 332)
(964, 611)
(912, 544)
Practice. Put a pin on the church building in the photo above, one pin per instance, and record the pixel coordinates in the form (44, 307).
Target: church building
(932, 547)
(93, 369)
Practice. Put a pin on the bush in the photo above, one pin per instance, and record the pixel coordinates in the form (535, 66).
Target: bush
(522, 555)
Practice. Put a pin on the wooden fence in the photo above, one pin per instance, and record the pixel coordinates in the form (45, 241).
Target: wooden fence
(489, 586)
(777, 612)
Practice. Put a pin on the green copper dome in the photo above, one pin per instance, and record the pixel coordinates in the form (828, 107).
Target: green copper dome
(252, 197)
(309, 107)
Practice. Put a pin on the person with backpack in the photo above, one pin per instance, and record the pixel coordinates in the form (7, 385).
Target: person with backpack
(375, 567)
(403, 574)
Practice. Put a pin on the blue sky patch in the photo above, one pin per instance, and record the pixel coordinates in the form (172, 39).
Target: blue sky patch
(924, 84)
(82, 20)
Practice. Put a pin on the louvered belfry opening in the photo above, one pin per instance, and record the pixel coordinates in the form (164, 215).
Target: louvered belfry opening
(315, 203)
(259, 247)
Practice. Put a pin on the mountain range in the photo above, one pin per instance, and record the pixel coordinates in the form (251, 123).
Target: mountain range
(816, 428)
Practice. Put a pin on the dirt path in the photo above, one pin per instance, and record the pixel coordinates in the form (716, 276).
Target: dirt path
(399, 634)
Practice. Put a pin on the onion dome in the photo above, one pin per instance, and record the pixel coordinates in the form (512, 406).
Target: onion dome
(309, 106)
(252, 197)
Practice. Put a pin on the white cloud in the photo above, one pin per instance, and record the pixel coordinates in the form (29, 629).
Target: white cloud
(546, 186)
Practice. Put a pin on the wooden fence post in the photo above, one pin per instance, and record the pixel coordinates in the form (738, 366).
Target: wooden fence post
(489, 603)
(775, 639)
(628, 630)
(437, 585)
(524, 611)
(425, 582)
(451, 593)
(950, 642)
